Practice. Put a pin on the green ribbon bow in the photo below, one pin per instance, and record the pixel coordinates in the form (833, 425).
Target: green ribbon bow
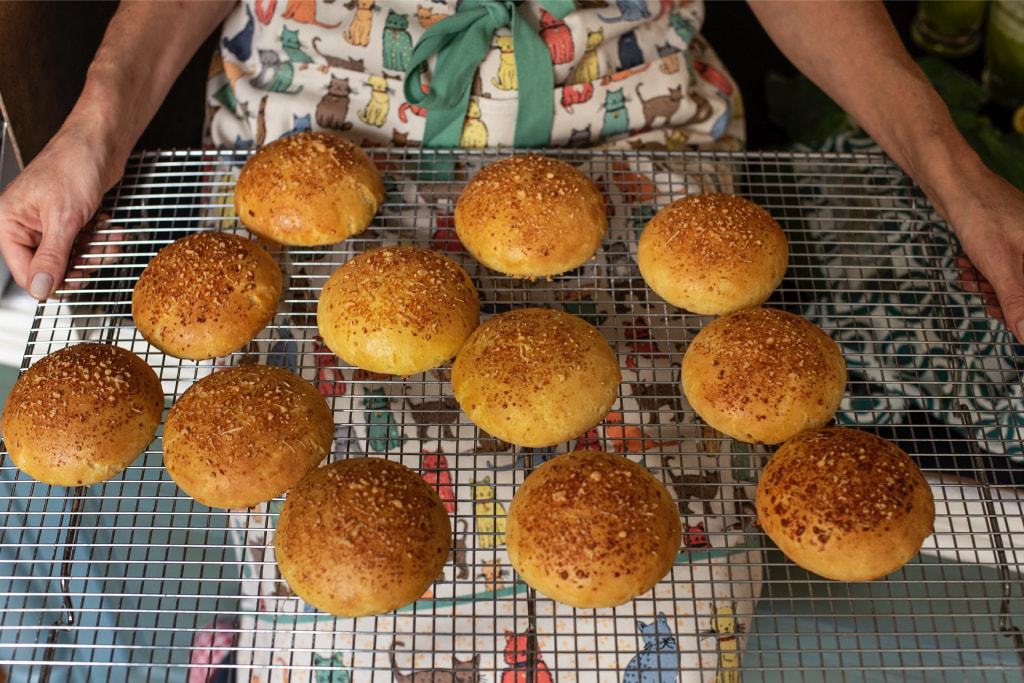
(461, 42)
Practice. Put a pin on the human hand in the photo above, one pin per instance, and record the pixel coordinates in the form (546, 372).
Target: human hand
(990, 227)
(46, 205)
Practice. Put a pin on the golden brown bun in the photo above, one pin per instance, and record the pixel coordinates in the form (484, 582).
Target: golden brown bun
(713, 254)
(397, 310)
(845, 504)
(362, 536)
(246, 434)
(308, 189)
(763, 375)
(531, 216)
(82, 414)
(592, 529)
(206, 295)
(535, 377)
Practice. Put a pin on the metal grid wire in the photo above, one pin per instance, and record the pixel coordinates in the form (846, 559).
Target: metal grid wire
(128, 579)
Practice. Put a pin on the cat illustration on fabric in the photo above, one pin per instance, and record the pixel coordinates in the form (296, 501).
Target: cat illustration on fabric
(517, 656)
(376, 111)
(474, 131)
(358, 32)
(397, 41)
(332, 111)
(616, 117)
(724, 626)
(556, 34)
(240, 44)
(658, 662)
(507, 78)
(331, 669)
(489, 514)
(304, 12)
(274, 75)
(629, 10)
(467, 671)
(335, 62)
(589, 68)
(662, 106)
(293, 48)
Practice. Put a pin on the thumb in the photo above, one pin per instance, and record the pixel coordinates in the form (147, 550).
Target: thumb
(50, 262)
(1013, 313)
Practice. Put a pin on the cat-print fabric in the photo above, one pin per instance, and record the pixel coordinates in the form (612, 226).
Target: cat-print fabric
(625, 72)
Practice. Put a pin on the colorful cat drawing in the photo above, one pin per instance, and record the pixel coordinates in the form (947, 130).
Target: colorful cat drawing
(474, 131)
(616, 117)
(630, 54)
(589, 68)
(556, 34)
(435, 472)
(331, 669)
(629, 10)
(723, 625)
(489, 515)
(658, 662)
(332, 111)
(240, 44)
(397, 41)
(662, 106)
(382, 433)
(518, 656)
(292, 47)
(300, 124)
(467, 671)
(335, 62)
(358, 32)
(507, 78)
(304, 12)
(274, 75)
(376, 111)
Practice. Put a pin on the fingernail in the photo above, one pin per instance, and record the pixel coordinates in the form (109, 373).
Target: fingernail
(40, 286)
(1020, 330)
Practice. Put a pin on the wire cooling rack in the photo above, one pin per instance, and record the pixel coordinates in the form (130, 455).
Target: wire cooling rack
(133, 580)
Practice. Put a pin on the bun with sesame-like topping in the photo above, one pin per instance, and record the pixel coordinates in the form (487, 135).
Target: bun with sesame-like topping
(531, 216)
(762, 375)
(845, 504)
(713, 253)
(246, 434)
(362, 536)
(592, 529)
(536, 377)
(397, 310)
(82, 414)
(206, 295)
(308, 189)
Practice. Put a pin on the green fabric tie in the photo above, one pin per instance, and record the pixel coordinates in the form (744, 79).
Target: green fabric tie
(461, 42)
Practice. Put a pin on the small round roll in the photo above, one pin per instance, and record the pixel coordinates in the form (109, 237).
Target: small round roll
(535, 377)
(845, 504)
(763, 375)
(713, 253)
(592, 529)
(245, 435)
(206, 295)
(531, 216)
(82, 414)
(362, 536)
(308, 189)
(397, 310)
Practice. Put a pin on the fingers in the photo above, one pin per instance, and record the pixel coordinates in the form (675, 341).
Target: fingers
(50, 261)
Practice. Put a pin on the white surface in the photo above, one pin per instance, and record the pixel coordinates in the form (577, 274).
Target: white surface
(16, 311)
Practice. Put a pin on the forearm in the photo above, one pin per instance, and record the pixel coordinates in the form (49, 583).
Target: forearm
(146, 46)
(852, 51)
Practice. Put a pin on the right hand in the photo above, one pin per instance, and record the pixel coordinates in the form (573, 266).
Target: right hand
(45, 207)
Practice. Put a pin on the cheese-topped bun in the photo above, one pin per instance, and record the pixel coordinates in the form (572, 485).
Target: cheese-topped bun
(535, 377)
(246, 434)
(362, 536)
(713, 253)
(308, 189)
(592, 529)
(206, 295)
(82, 414)
(763, 375)
(845, 504)
(531, 216)
(397, 310)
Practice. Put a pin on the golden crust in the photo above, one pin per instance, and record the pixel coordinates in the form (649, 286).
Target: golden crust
(536, 377)
(245, 435)
(397, 310)
(592, 529)
(82, 414)
(531, 216)
(763, 375)
(713, 253)
(362, 536)
(845, 504)
(206, 295)
(308, 189)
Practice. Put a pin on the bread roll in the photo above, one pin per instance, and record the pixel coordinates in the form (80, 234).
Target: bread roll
(362, 536)
(82, 414)
(535, 377)
(246, 434)
(531, 216)
(206, 295)
(592, 529)
(397, 310)
(845, 504)
(308, 189)
(762, 375)
(713, 254)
